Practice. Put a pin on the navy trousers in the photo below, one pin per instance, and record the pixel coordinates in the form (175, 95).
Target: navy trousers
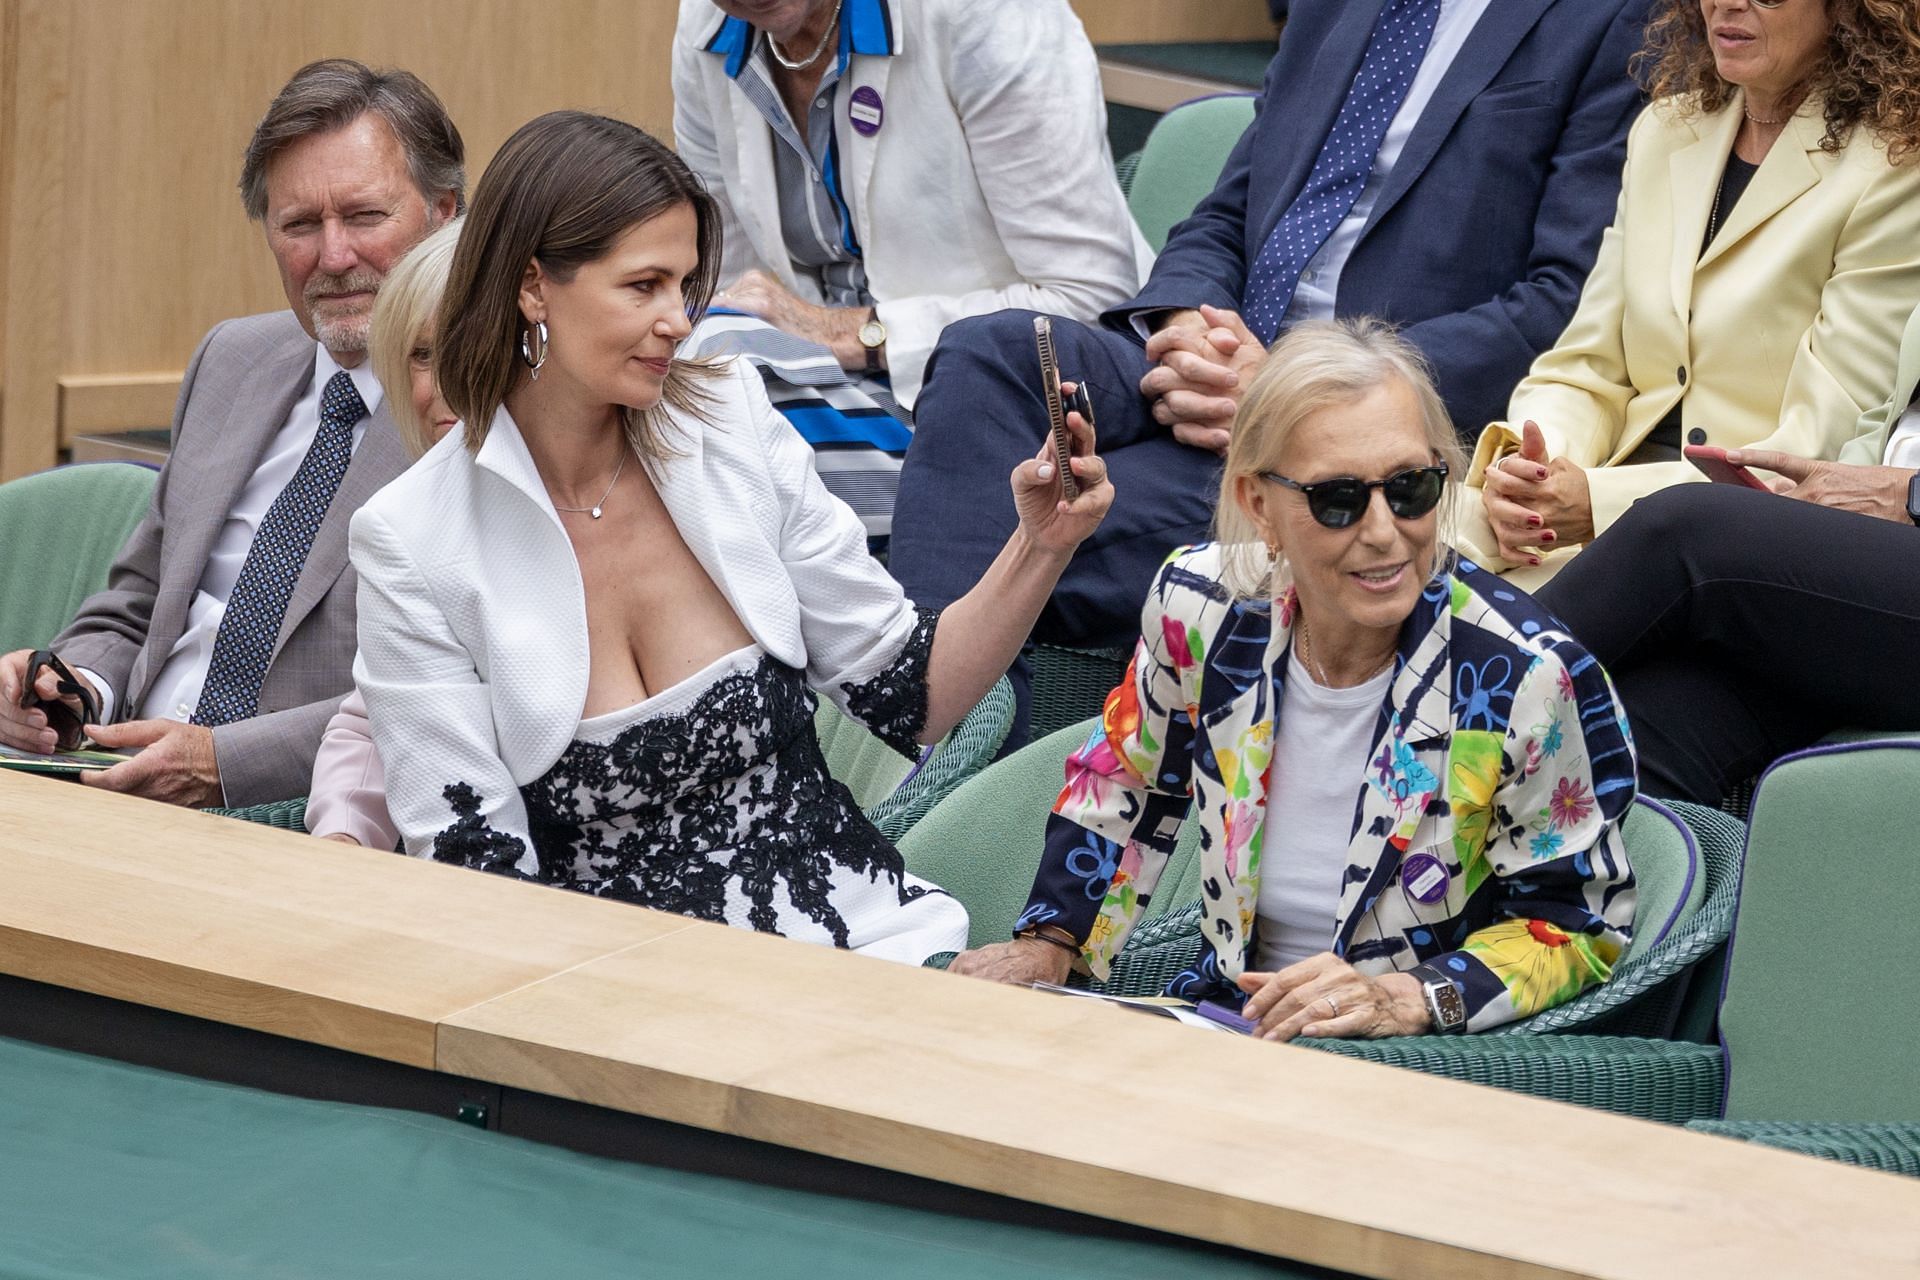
(981, 413)
(1739, 626)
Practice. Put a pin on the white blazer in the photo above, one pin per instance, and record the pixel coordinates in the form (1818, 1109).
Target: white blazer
(473, 622)
(988, 185)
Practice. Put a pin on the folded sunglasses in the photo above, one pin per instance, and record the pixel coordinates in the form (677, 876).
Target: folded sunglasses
(67, 724)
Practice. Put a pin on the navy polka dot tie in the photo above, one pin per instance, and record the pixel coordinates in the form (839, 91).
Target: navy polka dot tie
(244, 644)
(1394, 53)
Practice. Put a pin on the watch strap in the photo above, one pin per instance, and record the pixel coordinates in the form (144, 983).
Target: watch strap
(1913, 498)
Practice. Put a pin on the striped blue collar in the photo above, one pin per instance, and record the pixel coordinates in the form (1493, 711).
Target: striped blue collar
(866, 27)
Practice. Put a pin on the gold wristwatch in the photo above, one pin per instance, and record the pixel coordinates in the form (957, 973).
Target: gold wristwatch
(873, 336)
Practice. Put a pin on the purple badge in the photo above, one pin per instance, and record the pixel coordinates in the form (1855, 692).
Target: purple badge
(1424, 878)
(865, 110)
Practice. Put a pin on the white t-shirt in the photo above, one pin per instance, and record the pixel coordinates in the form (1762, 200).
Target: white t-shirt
(1320, 753)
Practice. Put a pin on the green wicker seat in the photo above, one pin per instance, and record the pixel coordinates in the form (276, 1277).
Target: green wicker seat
(288, 815)
(894, 792)
(972, 745)
(983, 843)
(1070, 684)
(1891, 1148)
(59, 533)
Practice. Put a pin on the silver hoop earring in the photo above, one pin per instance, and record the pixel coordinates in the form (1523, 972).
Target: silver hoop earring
(530, 338)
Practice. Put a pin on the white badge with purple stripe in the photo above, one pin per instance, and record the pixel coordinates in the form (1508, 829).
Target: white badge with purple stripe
(866, 111)
(1425, 878)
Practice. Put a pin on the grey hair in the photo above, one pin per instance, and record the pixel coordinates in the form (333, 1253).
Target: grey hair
(1316, 365)
(325, 95)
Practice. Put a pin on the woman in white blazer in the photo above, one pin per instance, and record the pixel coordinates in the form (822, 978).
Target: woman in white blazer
(1752, 289)
(968, 150)
(594, 615)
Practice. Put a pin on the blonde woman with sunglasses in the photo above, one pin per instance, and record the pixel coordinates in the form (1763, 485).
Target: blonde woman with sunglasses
(1409, 778)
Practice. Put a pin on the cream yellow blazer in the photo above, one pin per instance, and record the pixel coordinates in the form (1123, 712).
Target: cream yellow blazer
(1780, 336)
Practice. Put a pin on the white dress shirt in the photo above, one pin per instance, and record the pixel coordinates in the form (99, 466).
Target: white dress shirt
(1313, 297)
(175, 691)
(1320, 748)
(1903, 445)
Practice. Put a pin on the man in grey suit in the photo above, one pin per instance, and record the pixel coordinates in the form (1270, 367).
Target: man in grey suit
(224, 639)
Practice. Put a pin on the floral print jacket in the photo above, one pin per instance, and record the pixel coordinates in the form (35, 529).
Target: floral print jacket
(1501, 755)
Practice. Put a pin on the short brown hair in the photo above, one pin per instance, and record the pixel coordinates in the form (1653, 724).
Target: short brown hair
(563, 189)
(1868, 76)
(325, 95)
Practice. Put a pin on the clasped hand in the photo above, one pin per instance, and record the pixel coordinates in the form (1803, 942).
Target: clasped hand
(1535, 503)
(1325, 997)
(1202, 363)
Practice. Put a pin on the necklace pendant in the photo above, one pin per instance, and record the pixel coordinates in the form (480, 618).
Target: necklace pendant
(595, 513)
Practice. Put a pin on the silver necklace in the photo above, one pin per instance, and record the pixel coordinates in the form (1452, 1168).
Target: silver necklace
(1319, 673)
(781, 58)
(596, 509)
(1762, 119)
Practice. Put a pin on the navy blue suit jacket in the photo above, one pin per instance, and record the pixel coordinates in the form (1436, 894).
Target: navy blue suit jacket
(1492, 216)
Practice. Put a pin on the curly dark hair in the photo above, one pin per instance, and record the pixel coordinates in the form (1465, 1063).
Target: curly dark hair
(1870, 74)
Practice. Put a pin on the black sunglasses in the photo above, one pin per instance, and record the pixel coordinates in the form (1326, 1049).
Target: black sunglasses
(1337, 503)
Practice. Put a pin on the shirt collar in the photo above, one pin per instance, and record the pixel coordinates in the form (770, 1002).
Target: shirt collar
(866, 27)
(325, 366)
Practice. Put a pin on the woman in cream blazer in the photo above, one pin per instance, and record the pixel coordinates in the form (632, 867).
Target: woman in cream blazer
(976, 179)
(1778, 336)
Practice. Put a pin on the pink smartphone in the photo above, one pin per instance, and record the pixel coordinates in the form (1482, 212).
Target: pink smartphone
(1712, 461)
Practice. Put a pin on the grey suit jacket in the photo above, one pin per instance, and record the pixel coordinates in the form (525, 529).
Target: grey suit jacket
(239, 387)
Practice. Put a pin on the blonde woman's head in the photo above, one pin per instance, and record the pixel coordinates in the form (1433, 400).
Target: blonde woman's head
(1338, 400)
(401, 341)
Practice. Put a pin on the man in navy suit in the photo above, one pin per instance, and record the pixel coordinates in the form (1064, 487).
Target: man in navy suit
(1447, 165)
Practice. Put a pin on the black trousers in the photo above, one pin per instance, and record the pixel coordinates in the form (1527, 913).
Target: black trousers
(1739, 626)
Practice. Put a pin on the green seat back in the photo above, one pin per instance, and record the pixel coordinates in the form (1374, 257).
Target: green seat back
(868, 767)
(1182, 161)
(1819, 1012)
(1070, 684)
(1669, 880)
(894, 792)
(983, 844)
(59, 533)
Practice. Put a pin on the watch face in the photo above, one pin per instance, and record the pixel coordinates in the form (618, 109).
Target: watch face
(872, 334)
(1447, 1005)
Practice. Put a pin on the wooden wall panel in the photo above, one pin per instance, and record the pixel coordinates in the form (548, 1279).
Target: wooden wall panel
(122, 122)
(1161, 21)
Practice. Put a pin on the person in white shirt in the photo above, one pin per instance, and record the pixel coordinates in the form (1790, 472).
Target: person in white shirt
(884, 168)
(1743, 625)
(595, 619)
(224, 638)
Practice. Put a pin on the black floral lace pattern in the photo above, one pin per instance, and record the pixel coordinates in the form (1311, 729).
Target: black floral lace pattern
(893, 705)
(727, 801)
(470, 842)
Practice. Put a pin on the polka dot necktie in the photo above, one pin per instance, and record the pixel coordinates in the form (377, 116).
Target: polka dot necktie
(1399, 42)
(244, 644)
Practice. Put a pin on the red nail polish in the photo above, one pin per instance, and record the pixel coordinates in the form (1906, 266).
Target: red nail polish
(1541, 474)
(1548, 536)
(1533, 522)
(1533, 559)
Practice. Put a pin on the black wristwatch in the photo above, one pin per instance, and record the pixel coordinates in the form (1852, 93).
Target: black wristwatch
(1913, 498)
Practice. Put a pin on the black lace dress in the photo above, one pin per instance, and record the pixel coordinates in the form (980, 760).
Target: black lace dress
(712, 799)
